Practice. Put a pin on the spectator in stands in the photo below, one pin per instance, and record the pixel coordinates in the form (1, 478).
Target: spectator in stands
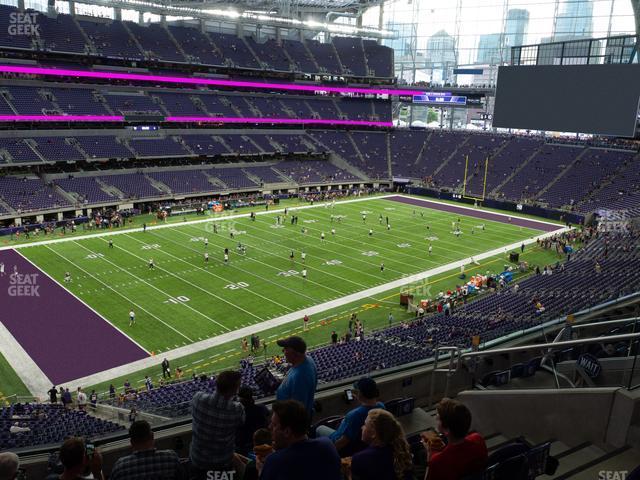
(256, 417)
(82, 400)
(347, 438)
(262, 448)
(53, 394)
(216, 418)
(78, 461)
(166, 369)
(388, 456)
(146, 461)
(93, 399)
(66, 398)
(297, 457)
(9, 464)
(302, 379)
(16, 428)
(465, 454)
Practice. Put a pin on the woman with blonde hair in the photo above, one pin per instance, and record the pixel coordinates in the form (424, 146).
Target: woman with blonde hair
(387, 457)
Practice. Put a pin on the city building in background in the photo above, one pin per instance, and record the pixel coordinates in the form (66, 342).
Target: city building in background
(462, 33)
(515, 28)
(574, 21)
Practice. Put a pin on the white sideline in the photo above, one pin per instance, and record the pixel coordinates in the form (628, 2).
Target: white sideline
(21, 363)
(123, 231)
(131, 368)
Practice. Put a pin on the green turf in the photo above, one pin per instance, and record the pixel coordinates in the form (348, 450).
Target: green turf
(134, 223)
(372, 311)
(184, 300)
(10, 383)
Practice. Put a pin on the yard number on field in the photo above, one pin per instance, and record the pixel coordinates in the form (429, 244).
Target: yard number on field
(177, 300)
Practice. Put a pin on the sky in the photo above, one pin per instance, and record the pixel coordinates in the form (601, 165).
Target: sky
(477, 17)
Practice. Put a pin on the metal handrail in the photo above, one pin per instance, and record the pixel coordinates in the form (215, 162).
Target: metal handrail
(606, 322)
(566, 343)
(454, 363)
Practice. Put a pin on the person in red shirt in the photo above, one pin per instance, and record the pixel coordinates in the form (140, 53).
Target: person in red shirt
(465, 454)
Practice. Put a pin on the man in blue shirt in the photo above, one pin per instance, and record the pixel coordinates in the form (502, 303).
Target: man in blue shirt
(302, 379)
(296, 457)
(347, 438)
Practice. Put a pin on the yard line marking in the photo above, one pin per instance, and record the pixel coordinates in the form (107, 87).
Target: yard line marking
(255, 259)
(119, 294)
(504, 230)
(185, 281)
(195, 286)
(419, 240)
(280, 269)
(331, 253)
(211, 273)
(443, 218)
(190, 222)
(153, 286)
(238, 334)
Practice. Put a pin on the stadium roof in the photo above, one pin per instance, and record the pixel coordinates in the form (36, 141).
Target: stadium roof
(281, 6)
(313, 15)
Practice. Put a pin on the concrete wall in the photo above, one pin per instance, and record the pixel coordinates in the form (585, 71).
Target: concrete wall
(572, 416)
(624, 424)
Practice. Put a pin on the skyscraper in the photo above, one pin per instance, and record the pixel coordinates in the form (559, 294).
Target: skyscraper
(489, 47)
(440, 56)
(574, 21)
(495, 48)
(403, 45)
(441, 49)
(515, 27)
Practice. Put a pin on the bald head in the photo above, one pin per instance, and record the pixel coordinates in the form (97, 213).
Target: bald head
(9, 464)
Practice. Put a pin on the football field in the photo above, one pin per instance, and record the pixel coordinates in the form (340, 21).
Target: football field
(183, 299)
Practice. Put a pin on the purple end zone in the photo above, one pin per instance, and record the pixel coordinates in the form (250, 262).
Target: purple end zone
(64, 337)
(445, 207)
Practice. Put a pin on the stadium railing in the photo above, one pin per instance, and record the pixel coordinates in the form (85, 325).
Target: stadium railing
(570, 363)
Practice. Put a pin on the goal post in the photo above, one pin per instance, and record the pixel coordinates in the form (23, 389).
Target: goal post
(484, 180)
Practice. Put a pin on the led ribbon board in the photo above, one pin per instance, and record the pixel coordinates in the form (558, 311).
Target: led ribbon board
(26, 70)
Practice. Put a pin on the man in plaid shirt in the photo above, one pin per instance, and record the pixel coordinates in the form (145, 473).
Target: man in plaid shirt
(145, 461)
(216, 418)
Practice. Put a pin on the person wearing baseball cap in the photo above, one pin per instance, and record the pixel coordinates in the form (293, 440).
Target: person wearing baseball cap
(302, 379)
(347, 438)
